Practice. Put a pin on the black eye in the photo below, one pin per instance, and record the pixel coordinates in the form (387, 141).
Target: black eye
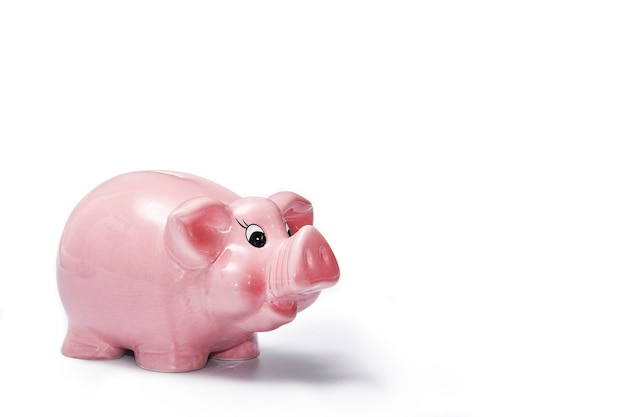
(255, 235)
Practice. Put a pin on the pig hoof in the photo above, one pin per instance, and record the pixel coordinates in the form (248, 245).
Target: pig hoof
(171, 362)
(246, 350)
(85, 346)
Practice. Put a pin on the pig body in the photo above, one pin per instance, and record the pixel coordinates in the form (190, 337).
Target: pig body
(178, 269)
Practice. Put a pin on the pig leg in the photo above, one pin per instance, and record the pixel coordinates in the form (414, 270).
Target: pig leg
(177, 360)
(249, 349)
(86, 345)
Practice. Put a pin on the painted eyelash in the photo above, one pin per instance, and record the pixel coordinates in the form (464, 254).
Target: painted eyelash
(244, 225)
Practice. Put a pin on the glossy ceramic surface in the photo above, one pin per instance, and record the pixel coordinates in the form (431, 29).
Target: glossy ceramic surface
(178, 269)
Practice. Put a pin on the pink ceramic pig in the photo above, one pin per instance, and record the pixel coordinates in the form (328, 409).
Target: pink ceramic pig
(177, 268)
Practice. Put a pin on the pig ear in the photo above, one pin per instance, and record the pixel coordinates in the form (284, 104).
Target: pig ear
(195, 231)
(296, 209)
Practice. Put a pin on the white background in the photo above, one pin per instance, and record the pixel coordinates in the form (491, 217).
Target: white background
(466, 164)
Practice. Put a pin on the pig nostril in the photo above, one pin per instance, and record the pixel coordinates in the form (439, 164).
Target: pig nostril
(308, 257)
(324, 253)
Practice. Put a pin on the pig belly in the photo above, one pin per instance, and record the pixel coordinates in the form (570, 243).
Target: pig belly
(119, 292)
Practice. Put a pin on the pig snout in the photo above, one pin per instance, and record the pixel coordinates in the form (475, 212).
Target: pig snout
(303, 264)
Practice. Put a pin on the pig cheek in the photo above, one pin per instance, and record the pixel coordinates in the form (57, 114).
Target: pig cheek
(248, 288)
(235, 290)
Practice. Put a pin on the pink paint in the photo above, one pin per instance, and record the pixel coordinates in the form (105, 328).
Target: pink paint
(178, 269)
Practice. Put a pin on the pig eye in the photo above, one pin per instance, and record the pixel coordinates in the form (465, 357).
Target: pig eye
(287, 229)
(255, 235)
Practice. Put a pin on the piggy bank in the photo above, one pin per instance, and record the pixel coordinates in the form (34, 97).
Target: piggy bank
(179, 269)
